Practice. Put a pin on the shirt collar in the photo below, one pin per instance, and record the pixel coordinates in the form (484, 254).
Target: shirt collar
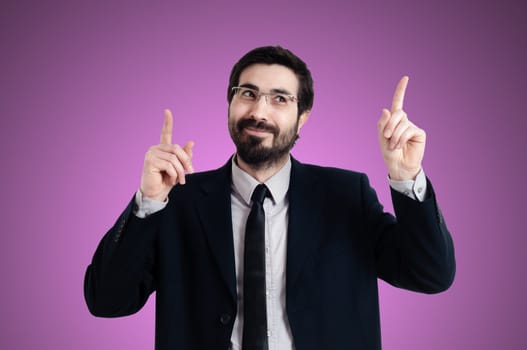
(244, 184)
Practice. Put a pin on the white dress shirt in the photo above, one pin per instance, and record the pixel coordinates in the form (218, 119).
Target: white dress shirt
(276, 210)
(276, 220)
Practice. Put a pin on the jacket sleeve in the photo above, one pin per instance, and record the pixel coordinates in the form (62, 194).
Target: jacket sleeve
(120, 277)
(414, 250)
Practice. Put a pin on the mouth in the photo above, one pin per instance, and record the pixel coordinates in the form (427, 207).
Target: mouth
(256, 131)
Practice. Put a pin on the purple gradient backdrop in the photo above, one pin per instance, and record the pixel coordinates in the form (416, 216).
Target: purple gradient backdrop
(84, 83)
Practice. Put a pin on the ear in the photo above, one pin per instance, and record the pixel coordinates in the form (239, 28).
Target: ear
(303, 119)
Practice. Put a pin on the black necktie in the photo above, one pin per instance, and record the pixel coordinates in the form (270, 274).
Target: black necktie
(254, 300)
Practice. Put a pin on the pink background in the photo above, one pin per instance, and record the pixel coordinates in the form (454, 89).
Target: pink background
(82, 89)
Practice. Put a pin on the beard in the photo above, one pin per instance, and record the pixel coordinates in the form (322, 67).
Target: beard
(251, 149)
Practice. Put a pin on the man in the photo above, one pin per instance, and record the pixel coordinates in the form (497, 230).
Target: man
(310, 280)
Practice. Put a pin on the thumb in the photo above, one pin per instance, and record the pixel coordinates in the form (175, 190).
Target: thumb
(188, 148)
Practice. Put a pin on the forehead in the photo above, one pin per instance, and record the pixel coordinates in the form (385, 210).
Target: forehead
(270, 76)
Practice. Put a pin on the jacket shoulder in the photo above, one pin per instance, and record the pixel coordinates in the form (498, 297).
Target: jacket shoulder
(208, 181)
(332, 176)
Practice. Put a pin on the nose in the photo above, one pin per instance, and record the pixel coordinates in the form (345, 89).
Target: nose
(260, 108)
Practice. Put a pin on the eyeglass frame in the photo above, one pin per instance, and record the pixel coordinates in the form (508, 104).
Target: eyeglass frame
(236, 91)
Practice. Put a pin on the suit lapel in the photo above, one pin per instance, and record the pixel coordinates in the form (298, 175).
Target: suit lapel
(304, 227)
(214, 207)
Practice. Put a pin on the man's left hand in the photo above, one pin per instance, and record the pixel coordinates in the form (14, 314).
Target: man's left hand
(402, 142)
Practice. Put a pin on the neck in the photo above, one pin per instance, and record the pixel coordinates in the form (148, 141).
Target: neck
(262, 171)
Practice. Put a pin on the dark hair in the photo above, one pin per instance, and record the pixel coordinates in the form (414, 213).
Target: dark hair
(281, 56)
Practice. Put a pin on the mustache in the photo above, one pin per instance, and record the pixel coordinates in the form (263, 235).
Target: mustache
(261, 125)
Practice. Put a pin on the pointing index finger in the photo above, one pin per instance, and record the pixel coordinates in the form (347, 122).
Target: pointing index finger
(166, 131)
(398, 96)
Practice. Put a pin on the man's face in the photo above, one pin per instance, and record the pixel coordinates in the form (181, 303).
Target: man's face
(263, 131)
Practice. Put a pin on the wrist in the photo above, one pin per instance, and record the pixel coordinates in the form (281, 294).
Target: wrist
(160, 197)
(403, 175)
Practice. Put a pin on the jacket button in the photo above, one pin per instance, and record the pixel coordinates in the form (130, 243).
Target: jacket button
(225, 319)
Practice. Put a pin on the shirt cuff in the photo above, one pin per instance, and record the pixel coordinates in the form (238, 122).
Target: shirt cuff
(415, 189)
(146, 206)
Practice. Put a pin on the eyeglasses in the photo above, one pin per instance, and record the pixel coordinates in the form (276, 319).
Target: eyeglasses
(276, 99)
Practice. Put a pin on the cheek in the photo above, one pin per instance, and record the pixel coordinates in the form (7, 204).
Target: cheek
(288, 122)
(237, 110)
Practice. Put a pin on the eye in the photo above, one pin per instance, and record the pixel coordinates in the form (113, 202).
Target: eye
(248, 94)
(280, 99)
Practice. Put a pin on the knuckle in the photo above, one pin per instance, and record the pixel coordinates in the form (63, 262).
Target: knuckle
(182, 156)
(171, 171)
(172, 158)
(148, 157)
(169, 148)
(178, 167)
(150, 151)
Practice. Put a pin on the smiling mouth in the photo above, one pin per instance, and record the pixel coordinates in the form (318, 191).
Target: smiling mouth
(256, 130)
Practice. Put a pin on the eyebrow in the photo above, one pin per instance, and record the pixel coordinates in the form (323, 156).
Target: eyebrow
(273, 91)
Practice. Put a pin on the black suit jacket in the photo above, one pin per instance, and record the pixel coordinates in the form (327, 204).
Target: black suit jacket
(339, 242)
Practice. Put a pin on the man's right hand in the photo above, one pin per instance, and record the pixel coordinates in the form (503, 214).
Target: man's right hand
(165, 164)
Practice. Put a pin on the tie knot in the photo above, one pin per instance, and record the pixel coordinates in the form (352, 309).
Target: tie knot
(259, 194)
